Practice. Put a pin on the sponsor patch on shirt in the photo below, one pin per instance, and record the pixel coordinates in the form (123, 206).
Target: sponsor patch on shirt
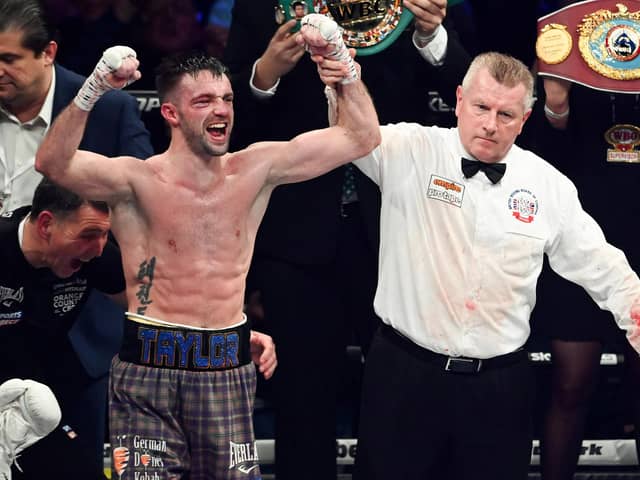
(66, 295)
(10, 296)
(523, 205)
(445, 190)
(10, 318)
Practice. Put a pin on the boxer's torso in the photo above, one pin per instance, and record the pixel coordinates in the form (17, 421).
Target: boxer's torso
(187, 237)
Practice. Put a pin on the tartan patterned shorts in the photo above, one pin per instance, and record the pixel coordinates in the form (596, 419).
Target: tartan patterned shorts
(182, 424)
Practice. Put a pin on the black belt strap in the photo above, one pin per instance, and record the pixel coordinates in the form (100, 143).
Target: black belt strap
(451, 364)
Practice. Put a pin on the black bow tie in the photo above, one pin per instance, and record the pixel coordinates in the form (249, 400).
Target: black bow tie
(493, 171)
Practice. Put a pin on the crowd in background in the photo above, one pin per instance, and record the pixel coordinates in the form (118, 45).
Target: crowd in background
(158, 27)
(155, 27)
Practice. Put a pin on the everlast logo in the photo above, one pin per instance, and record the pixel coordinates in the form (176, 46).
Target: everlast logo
(9, 295)
(358, 15)
(244, 456)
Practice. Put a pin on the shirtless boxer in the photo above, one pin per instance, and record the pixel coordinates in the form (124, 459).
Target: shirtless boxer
(186, 221)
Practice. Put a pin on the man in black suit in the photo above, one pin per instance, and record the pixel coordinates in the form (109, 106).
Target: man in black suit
(33, 90)
(315, 261)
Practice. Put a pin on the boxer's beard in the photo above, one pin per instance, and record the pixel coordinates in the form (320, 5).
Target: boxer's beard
(199, 143)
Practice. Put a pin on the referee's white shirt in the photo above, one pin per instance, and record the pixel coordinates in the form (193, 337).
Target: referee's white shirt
(460, 258)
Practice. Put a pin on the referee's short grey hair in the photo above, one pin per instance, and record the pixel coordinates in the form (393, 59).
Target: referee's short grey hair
(506, 70)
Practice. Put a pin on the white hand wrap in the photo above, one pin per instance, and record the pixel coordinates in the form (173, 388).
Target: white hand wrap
(97, 84)
(332, 33)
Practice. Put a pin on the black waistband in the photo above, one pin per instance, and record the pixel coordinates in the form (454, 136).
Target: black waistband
(451, 364)
(184, 349)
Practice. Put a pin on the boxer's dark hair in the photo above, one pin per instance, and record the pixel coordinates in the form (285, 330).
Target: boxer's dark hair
(30, 18)
(60, 201)
(172, 68)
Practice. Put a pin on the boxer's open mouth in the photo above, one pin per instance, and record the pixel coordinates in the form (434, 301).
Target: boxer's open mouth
(217, 129)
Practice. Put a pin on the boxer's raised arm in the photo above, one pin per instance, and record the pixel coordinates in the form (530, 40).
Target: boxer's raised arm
(89, 174)
(356, 131)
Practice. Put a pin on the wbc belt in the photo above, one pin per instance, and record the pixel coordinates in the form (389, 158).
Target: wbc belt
(369, 26)
(595, 43)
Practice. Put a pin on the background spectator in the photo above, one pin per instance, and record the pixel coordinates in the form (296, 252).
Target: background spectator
(95, 25)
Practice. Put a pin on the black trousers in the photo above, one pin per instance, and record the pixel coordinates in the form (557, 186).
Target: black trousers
(419, 421)
(313, 312)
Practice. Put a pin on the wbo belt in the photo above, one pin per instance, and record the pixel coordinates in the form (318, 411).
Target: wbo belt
(172, 347)
(452, 364)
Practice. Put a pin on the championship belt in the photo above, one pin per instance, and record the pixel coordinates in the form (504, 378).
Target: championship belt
(623, 138)
(595, 43)
(369, 26)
